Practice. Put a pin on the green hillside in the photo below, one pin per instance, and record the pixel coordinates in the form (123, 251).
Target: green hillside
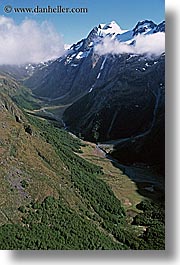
(51, 197)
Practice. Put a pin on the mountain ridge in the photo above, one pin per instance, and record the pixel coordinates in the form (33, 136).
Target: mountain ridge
(52, 195)
(59, 192)
(113, 95)
(65, 76)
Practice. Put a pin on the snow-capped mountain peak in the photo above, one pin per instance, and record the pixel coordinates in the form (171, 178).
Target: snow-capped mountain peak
(87, 64)
(143, 27)
(109, 29)
(108, 32)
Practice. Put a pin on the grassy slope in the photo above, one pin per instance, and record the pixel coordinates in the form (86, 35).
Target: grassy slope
(20, 95)
(124, 189)
(21, 158)
(24, 157)
(32, 169)
(35, 161)
(47, 162)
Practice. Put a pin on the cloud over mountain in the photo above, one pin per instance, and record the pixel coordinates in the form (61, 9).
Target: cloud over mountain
(150, 44)
(28, 42)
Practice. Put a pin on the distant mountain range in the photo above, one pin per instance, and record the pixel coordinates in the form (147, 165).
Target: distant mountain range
(82, 68)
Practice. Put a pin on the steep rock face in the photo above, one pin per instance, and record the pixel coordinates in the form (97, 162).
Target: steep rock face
(143, 27)
(117, 96)
(64, 80)
(128, 109)
(125, 106)
(149, 149)
(160, 28)
(82, 69)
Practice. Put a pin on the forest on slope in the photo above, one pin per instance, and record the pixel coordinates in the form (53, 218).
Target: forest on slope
(51, 197)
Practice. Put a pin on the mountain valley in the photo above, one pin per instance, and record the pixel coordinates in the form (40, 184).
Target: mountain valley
(82, 147)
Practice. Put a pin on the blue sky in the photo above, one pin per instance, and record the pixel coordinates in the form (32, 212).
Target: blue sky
(74, 27)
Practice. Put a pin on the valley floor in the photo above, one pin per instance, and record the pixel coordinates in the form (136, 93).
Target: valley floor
(130, 184)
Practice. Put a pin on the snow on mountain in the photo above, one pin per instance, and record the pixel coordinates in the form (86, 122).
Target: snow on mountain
(113, 32)
(160, 27)
(111, 29)
(84, 69)
(143, 27)
(81, 55)
(107, 38)
(31, 68)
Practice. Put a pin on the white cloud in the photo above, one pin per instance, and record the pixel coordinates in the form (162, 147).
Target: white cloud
(150, 45)
(28, 42)
(153, 44)
(67, 46)
(112, 46)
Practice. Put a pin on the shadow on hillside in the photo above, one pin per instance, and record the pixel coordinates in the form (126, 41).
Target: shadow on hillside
(149, 183)
(171, 253)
